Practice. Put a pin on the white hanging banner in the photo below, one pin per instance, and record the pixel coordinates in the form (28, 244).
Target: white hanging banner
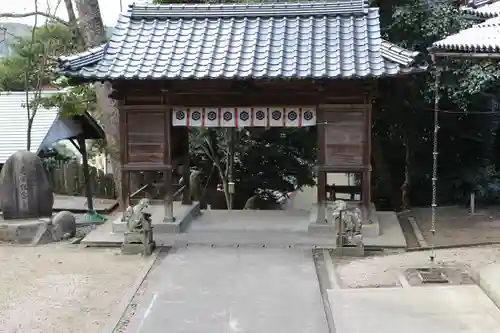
(308, 117)
(195, 117)
(259, 117)
(276, 117)
(244, 117)
(228, 117)
(292, 117)
(179, 117)
(212, 117)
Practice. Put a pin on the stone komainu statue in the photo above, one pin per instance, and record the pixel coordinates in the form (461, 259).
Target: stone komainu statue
(25, 190)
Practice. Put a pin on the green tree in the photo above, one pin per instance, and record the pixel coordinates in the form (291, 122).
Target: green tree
(403, 124)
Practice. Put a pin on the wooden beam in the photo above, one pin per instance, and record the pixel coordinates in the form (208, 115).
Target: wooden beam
(467, 55)
(343, 168)
(146, 167)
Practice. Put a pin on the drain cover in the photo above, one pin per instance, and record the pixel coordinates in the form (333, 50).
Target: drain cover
(431, 275)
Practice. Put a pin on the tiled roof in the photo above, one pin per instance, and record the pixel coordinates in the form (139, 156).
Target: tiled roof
(483, 37)
(482, 9)
(302, 40)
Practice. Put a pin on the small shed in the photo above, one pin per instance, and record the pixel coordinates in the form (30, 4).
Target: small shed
(48, 127)
(172, 67)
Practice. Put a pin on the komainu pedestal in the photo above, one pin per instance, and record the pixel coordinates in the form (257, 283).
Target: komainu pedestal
(139, 234)
(349, 223)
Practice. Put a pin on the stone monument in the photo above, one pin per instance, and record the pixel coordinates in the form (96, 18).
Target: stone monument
(25, 190)
(139, 234)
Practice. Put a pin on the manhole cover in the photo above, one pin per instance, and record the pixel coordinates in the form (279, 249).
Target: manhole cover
(431, 275)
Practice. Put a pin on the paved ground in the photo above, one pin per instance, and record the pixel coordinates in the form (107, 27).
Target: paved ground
(380, 271)
(58, 289)
(269, 228)
(376, 290)
(437, 309)
(251, 290)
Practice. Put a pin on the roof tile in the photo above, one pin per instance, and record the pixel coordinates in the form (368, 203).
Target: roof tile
(482, 9)
(310, 40)
(483, 37)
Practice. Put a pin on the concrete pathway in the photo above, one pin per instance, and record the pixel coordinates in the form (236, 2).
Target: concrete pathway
(219, 290)
(436, 309)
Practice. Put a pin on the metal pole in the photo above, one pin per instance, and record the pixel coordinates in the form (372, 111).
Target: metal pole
(86, 173)
(435, 157)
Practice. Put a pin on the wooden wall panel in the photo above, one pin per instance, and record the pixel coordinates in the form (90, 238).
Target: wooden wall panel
(146, 137)
(344, 138)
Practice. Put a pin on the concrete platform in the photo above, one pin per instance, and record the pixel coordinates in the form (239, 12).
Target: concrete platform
(488, 279)
(254, 228)
(436, 309)
(196, 290)
(183, 214)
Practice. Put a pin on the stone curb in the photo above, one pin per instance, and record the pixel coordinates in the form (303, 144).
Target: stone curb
(121, 308)
(418, 233)
(487, 278)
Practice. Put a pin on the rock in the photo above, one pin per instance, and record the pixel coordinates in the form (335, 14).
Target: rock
(25, 190)
(64, 225)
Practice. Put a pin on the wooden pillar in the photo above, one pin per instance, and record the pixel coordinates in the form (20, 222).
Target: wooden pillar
(167, 173)
(320, 174)
(124, 174)
(366, 175)
(186, 171)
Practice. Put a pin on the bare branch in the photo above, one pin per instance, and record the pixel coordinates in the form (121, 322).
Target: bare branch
(47, 15)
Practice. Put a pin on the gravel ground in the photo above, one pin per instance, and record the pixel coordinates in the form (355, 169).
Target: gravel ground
(382, 271)
(58, 288)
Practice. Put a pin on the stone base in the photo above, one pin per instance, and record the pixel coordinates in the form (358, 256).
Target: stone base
(370, 228)
(316, 228)
(184, 214)
(32, 232)
(348, 251)
(144, 249)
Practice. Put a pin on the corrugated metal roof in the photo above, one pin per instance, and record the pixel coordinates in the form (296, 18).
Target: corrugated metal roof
(483, 37)
(302, 40)
(14, 123)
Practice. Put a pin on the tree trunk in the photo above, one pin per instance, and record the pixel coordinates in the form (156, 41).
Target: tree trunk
(92, 28)
(405, 188)
(73, 24)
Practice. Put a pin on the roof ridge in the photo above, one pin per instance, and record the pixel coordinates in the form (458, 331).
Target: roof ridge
(398, 54)
(338, 7)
